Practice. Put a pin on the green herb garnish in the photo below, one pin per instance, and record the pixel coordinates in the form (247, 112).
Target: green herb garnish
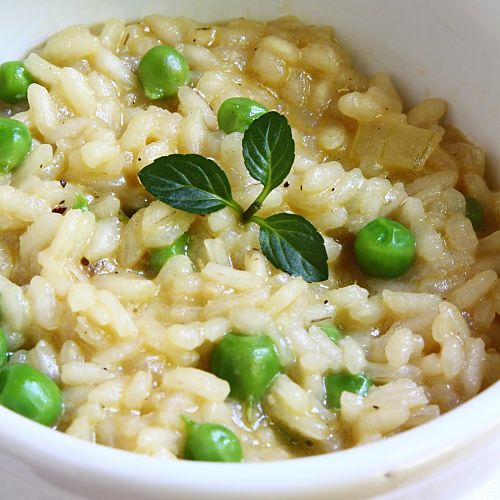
(190, 182)
(198, 185)
(268, 152)
(293, 244)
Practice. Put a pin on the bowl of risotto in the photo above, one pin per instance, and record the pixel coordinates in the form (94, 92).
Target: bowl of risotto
(265, 235)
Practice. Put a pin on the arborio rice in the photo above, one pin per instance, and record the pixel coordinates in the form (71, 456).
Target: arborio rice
(130, 349)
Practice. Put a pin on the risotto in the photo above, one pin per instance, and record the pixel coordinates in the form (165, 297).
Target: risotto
(156, 326)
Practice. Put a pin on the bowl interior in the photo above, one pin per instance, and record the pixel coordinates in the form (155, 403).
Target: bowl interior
(443, 49)
(82, 468)
(446, 49)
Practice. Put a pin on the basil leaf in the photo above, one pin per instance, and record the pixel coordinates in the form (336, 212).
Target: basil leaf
(293, 245)
(269, 150)
(188, 182)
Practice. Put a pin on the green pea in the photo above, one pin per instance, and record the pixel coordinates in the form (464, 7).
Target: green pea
(237, 113)
(80, 203)
(30, 393)
(333, 332)
(4, 351)
(158, 257)
(15, 144)
(248, 363)
(211, 443)
(384, 248)
(337, 383)
(162, 71)
(14, 82)
(474, 212)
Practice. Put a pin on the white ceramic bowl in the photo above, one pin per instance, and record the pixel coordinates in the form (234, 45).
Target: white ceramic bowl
(447, 48)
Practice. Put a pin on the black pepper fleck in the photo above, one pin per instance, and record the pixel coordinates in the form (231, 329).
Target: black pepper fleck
(84, 261)
(63, 183)
(286, 184)
(60, 209)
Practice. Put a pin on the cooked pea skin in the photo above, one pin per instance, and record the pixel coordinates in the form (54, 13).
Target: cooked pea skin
(15, 144)
(14, 82)
(30, 393)
(162, 71)
(81, 203)
(211, 443)
(237, 113)
(337, 383)
(249, 363)
(474, 212)
(159, 256)
(333, 332)
(384, 248)
(3, 348)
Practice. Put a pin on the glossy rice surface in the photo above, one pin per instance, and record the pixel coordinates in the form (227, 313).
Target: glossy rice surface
(131, 349)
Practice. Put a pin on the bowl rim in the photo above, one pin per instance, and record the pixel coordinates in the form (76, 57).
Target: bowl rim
(397, 456)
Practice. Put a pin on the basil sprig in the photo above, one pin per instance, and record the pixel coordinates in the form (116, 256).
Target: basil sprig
(198, 185)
